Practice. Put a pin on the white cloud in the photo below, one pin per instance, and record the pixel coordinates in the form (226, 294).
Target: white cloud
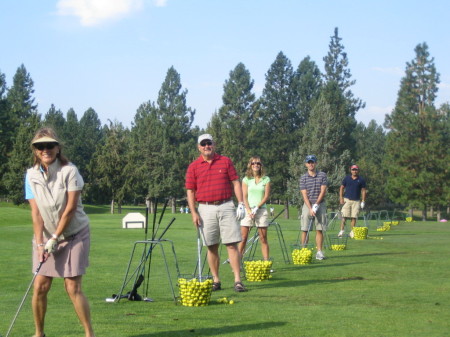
(390, 70)
(94, 12)
(160, 3)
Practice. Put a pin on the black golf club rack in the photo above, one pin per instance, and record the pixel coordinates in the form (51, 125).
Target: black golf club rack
(142, 268)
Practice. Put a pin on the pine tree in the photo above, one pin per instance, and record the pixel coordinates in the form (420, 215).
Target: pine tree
(108, 165)
(55, 119)
(175, 118)
(337, 71)
(232, 126)
(322, 137)
(87, 140)
(70, 136)
(417, 157)
(306, 85)
(278, 125)
(20, 159)
(6, 135)
(369, 156)
(20, 98)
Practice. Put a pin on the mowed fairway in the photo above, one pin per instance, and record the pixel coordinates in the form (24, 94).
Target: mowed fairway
(397, 286)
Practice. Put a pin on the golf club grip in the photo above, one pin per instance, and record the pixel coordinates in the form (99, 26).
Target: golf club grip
(154, 218)
(163, 210)
(167, 227)
(277, 215)
(146, 221)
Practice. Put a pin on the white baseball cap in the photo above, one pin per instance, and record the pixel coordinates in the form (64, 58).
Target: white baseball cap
(205, 136)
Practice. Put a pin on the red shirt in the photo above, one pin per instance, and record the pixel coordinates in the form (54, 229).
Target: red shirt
(211, 182)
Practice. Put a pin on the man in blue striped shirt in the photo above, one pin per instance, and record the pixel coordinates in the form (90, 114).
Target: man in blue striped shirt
(313, 186)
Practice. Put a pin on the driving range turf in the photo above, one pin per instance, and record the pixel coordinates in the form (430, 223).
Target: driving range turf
(395, 283)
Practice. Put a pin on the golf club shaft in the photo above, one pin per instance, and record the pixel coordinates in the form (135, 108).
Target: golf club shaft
(199, 255)
(311, 219)
(24, 298)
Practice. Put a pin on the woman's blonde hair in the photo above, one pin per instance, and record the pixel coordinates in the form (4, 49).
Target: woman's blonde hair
(48, 132)
(262, 171)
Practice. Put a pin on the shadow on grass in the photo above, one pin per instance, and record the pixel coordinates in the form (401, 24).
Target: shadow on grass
(302, 283)
(215, 331)
(371, 254)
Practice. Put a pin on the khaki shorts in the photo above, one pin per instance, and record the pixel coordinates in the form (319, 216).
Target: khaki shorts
(320, 220)
(70, 259)
(219, 223)
(261, 219)
(351, 208)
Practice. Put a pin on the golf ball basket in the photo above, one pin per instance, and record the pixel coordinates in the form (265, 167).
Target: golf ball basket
(195, 291)
(302, 254)
(360, 233)
(338, 243)
(257, 270)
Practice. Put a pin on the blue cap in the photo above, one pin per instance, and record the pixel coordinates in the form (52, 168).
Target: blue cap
(311, 157)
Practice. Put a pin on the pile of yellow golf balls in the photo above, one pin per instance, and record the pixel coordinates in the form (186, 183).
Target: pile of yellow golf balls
(338, 247)
(302, 256)
(409, 219)
(225, 300)
(360, 233)
(386, 226)
(257, 271)
(194, 293)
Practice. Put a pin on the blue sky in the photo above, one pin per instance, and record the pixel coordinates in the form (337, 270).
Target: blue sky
(113, 55)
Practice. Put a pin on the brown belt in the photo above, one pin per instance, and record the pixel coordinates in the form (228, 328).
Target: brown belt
(215, 203)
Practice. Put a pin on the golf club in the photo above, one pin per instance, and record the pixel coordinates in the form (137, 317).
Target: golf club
(24, 298)
(305, 243)
(199, 256)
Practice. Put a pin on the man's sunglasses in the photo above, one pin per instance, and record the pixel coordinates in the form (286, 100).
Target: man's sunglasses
(205, 142)
(355, 169)
(42, 146)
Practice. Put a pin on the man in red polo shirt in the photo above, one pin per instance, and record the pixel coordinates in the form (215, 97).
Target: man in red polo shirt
(211, 180)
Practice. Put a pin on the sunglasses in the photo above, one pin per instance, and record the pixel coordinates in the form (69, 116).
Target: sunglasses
(256, 163)
(205, 142)
(355, 169)
(42, 146)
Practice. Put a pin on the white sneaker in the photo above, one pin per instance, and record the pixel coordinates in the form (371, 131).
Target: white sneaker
(341, 233)
(320, 256)
(351, 234)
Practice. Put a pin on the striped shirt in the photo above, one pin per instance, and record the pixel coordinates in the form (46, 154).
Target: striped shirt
(312, 185)
(211, 181)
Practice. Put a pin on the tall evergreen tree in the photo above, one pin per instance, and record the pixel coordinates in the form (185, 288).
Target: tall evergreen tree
(89, 137)
(369, 155)
(145, 144)
(108, 165)
(175, 118)
(417, 157)
(337, 71)
(20, 97)
(6, 136)
(233, 123)
(306, 86)
(322, 137)
(71, 138)
(21, 158)
(279, 125)
(55, 119)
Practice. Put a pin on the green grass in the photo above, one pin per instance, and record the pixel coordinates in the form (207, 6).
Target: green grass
(397, 286)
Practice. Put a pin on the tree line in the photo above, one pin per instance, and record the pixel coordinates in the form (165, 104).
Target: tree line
(301, 111)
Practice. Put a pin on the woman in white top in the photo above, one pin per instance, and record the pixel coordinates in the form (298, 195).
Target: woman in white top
(61, 228)
(256, 190)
